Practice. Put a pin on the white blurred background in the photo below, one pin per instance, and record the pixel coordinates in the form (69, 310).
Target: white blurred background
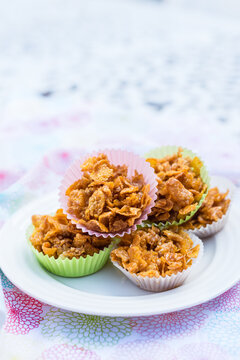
(132, 73)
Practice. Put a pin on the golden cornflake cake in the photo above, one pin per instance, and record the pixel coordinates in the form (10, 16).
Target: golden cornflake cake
(180, 187)
(150, 252)
(105, 199)
(213, 208)
(56, 236)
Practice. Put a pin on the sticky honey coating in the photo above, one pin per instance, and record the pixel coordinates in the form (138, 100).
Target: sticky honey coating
(214, 206)
(154, 253)
(57, 236)
(180, 186)
(105, 199)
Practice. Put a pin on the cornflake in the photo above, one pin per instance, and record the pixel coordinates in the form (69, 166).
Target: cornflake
(180, 186)
(154, 253)
(57, 236)
(214, 206)
(105, 199)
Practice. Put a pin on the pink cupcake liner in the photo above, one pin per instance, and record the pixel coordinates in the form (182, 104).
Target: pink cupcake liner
(116, 157)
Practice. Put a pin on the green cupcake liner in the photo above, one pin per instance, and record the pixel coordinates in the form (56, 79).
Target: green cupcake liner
(170, 150)
(72, 267)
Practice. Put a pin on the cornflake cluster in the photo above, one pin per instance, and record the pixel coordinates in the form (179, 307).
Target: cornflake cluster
(180, 186)
(154, 253)
(57, 236)
(105, 199)
(214, 206)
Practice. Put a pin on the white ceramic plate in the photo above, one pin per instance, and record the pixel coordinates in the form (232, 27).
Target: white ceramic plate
(109, 292)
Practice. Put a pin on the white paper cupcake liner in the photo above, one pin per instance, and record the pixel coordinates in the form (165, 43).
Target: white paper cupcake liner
(116, 157)
(164, 283)
(223, 185)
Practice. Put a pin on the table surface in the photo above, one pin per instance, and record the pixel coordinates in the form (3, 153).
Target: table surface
(135, 74)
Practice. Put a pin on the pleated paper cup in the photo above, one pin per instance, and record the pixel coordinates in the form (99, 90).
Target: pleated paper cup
(116, 157)
(163, 283)
(72, 267)
(223, 185)
(163, 151)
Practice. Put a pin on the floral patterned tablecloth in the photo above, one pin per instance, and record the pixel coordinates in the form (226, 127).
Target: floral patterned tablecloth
(33, 330)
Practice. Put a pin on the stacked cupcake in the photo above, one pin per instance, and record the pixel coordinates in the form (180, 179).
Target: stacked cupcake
(102, 196)
(136, 210)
